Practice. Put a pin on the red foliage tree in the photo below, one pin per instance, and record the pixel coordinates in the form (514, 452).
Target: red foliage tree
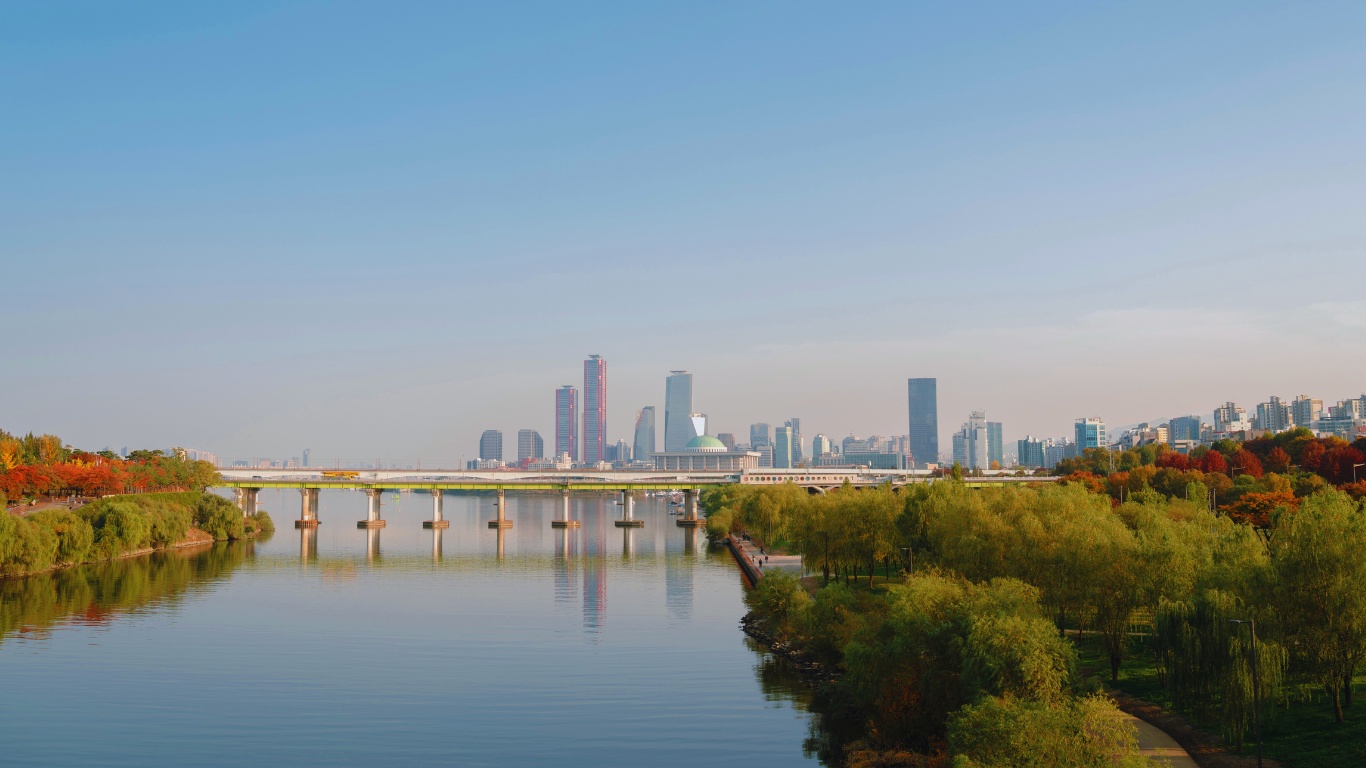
(1244, 461)
(1256, 508)
(1277, 461)
(1213, 461)
(1312, 456)
(1174, 460)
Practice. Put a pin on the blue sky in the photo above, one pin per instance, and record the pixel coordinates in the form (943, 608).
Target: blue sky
(378, 229)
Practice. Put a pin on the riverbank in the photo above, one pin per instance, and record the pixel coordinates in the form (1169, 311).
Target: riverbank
(118, 527)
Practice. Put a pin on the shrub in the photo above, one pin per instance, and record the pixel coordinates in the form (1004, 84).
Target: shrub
(262, 523)
(1010, 733)
(120, 526)
(219, 518)
(24, 546)
(75, 536)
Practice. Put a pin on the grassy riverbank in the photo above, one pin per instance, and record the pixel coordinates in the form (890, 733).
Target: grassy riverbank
(117, 526)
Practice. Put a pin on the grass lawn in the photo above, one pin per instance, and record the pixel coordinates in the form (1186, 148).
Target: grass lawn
(1302, 735)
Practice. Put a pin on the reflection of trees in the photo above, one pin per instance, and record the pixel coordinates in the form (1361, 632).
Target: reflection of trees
(833, 725)
(99, 592)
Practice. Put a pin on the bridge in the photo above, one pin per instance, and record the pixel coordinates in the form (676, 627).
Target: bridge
(309, 481)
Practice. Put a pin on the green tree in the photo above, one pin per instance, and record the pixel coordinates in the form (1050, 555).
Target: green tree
(1014, 733)
(1321, 575)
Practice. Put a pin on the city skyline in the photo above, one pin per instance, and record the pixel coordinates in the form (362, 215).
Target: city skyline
(248, 281)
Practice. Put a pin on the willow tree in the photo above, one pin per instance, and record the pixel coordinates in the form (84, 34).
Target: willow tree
(1321, 578)
(1205, 661)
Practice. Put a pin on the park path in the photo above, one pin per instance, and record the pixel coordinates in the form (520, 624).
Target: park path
(1155, 743)
(761, 563)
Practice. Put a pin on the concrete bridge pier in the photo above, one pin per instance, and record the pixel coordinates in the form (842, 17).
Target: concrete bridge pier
(372, 518)
(502, 521)
(437, 522)
(308, 508)
(689, 518)
(564, 521)
(628, 507)
(246, 500)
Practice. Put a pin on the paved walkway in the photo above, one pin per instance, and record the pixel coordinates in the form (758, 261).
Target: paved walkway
(763, 563)
(1156, 744)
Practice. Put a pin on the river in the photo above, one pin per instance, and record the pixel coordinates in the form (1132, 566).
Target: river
(596, 647)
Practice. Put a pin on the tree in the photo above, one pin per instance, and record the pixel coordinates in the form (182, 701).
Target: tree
(1321, 578)
(1011, 733)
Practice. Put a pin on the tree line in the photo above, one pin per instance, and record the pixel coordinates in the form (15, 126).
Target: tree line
(42, 465)
(1246, 480)
(1004, 580)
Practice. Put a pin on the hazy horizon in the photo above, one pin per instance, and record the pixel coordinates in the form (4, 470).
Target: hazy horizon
(257, 228)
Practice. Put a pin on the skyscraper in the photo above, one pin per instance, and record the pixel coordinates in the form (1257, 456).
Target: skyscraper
(1031, 452)
(594, 409)
(645, 433)
(923, 406)
(1090, 433)
(995, 445)
(796, 425)
(1274, 415)
(307, 452)
(782, 448)
(491, 445)
(758, 435)
(529, 445)
(972, 444)
(820, 445)
(567, 422)
(1305, 411)
(677, 405)
(1184, 428)
(727, 439)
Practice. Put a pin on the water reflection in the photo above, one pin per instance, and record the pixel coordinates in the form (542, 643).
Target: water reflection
(436, 544)
(99, 593)
(372, 544)
(308, 544)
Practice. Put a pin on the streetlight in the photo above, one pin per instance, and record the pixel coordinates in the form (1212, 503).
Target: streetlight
(826, 560)
(1256, 687)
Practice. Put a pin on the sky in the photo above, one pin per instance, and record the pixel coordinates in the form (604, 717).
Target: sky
(377, 229)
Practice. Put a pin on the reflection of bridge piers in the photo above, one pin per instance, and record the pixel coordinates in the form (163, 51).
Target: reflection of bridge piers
(436, 545)
(502, 521)
(502, 537)
(564, 521)
(308, 508)
(372, 544)
(627, 532)
(690, 519)
(308, 544)
(372, 518)
(437, 522)
(628, 506)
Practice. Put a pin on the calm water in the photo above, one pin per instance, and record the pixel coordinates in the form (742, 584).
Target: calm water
(598, 646)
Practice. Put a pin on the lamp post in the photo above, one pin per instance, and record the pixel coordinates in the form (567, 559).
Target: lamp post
(826, 562)
(1256, 687)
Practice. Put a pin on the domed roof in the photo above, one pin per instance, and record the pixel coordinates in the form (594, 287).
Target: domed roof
(705, 443)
